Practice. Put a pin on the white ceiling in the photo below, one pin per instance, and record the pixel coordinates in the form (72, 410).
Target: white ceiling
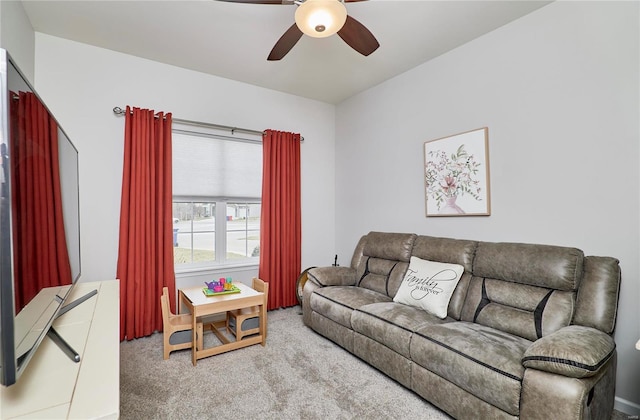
(233, 40)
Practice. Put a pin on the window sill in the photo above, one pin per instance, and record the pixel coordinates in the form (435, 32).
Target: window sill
(208, 269)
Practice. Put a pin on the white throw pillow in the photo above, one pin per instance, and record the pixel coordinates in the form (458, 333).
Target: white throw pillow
(429, 285)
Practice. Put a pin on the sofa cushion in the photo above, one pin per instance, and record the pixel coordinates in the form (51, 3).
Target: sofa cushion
(338, 302)
(481, 360)
(524, 289)
(553, 267)
(455, 251)
(384, 260)
(429, 285)
(527, 311)
(382, 276)
(391, 324)
(389, 246)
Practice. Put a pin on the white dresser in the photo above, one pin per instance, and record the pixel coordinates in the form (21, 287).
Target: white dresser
(53, 386)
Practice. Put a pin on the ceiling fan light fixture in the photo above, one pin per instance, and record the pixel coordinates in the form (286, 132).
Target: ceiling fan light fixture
(321, 18)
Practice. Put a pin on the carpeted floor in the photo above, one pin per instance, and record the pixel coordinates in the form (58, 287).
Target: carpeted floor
(297, 375)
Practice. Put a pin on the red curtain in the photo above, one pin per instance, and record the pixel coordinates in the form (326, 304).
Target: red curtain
(280, 229)
(40, 247)
(145, 255)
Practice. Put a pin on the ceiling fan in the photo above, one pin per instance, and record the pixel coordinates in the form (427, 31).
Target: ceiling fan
(320, 19)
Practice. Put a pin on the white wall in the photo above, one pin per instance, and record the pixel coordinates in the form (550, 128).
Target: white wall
(81, 84)
(558, 90)
(17, 37)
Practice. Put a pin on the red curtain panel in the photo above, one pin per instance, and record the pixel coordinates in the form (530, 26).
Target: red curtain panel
(280, 229)
(40, 247)
(145, 255)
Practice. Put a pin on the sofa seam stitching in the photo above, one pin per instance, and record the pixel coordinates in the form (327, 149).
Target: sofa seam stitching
(573, 363)
(385, 320)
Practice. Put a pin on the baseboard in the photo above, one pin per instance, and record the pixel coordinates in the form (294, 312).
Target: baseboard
(627, 407)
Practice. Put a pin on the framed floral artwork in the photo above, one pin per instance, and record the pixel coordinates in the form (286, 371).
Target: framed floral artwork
(457, 174)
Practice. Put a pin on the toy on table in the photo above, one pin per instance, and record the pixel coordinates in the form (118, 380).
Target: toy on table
(221, 285)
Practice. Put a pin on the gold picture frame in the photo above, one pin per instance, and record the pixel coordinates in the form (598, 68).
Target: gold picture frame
(457, 175)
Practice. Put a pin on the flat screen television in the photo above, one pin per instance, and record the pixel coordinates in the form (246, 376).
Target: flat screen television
(39, 221)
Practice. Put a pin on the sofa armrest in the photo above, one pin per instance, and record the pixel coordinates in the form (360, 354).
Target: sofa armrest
(333, 276)
(574, 351)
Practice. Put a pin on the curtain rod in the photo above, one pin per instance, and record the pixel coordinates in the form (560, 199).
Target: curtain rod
(119, 111)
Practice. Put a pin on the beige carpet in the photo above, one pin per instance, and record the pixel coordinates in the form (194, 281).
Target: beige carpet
(297, 375)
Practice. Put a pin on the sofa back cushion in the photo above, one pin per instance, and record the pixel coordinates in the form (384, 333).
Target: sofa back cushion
(599, 293)
(358, 253)
(452, 251)
(384, 261)
(523, 289)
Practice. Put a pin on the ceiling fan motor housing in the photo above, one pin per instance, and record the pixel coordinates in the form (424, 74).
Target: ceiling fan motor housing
(321, 18)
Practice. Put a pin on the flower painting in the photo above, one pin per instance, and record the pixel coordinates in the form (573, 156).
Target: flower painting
(457, 175)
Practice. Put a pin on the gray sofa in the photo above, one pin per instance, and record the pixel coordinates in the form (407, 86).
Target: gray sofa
(527, 332)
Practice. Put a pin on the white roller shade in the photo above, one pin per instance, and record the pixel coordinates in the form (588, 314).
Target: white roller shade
(214, 167)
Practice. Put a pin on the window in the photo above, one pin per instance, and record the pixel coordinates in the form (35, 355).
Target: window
(217, 182)
(194, 229)
(243, 230)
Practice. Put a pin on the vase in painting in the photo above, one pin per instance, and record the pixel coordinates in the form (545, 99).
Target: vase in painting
(450, 206)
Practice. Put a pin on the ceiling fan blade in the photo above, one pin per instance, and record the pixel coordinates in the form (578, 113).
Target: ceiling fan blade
(285, 43)
(275, 1)
(264, 1)
(358, 37)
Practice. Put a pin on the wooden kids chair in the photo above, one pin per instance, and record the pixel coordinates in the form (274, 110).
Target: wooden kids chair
(177, 329)
(246, 321)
